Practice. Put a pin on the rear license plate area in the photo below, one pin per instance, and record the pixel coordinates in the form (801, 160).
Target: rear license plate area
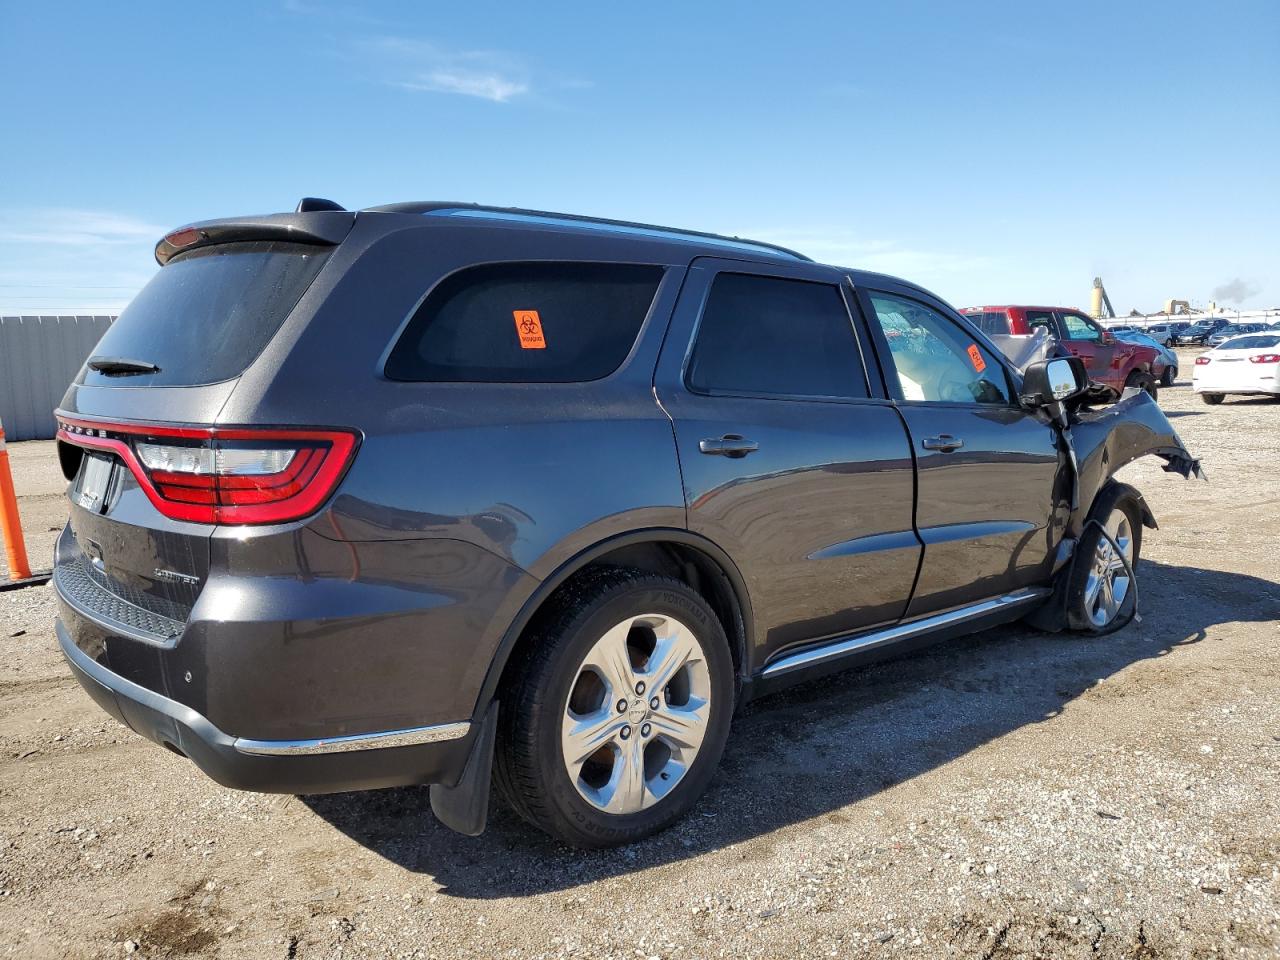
(93, 482)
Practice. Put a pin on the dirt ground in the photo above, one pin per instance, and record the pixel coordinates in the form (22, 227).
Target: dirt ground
(1007, 795)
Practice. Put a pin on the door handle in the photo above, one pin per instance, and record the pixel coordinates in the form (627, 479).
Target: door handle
(943, 442)
(730, 445)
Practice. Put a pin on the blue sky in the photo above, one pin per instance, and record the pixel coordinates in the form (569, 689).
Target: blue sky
(993, 152)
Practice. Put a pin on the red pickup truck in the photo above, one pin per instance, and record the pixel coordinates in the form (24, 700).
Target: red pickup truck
(1112, 363)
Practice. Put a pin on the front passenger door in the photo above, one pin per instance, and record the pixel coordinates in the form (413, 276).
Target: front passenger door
(1086, 340)
(986, 469)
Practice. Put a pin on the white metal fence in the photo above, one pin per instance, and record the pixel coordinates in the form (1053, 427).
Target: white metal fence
(39, 357)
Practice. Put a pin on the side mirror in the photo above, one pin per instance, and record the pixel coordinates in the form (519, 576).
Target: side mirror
(1051, 381)
(1108, 338)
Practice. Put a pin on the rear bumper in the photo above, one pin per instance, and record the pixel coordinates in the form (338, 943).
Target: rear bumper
(435, 754)
(1265, 386)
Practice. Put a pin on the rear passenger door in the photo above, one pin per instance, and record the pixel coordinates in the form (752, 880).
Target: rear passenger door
(791, 462)
(987, 470)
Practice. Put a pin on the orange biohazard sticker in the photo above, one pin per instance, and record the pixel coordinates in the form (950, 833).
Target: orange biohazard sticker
(529, 330)
(975, 357)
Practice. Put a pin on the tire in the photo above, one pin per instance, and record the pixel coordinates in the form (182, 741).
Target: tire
(1100, 589)
(1213, 399)
(1168, 377)
(643, 756)
(1143, 381)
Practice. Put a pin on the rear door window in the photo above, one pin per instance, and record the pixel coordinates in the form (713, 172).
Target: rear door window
(775, 337)
(207, 314)
(990, 322)
(527, 323)
(1040, 318)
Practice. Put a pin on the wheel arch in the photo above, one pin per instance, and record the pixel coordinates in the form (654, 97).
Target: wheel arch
(1115, 492)
(687, 556)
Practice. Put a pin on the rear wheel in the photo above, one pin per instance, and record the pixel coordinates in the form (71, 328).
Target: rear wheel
(616, 721)
(1213, 399)
(1143, 381)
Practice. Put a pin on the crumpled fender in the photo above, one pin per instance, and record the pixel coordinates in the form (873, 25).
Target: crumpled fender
(1107, 439)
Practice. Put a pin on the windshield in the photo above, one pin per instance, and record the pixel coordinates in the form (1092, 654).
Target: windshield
(1134, 337)
(206, 315)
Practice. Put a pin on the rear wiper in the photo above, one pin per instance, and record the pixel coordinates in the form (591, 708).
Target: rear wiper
(120, 366)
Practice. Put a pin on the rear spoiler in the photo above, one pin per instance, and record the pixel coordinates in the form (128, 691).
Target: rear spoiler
(321, 227)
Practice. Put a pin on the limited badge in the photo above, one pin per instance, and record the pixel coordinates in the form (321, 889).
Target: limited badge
(975, 357)
(529, 330)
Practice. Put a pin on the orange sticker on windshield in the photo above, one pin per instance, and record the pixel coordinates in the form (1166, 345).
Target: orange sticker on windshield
(529, 330)
(975, 357)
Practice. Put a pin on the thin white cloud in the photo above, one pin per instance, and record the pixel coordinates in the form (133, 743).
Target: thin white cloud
(425, 67)
(421, 66)
(846, 248)
(486, 86)
(68, 227)
(73, 260)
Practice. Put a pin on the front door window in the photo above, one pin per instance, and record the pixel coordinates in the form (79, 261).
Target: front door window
(935, 359)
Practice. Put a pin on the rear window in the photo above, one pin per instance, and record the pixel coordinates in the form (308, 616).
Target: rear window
(990, 322)
(207, 314)
(527, 323)
(1253, 342)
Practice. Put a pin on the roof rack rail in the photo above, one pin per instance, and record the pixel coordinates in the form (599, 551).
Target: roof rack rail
(434, 206)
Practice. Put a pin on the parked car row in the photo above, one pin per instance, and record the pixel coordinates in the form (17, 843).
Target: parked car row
(1181, 333)
(1212, 332)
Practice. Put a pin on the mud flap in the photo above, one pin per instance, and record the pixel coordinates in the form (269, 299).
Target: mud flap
(464, 807)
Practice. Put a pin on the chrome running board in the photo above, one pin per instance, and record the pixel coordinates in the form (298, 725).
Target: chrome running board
(903, 631)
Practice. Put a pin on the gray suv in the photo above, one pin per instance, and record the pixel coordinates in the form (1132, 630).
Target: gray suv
(435, 493)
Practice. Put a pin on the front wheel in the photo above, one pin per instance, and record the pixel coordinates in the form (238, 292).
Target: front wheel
(1143, 381)
(1213, 399)
(615, 722)
(1102, 583)
(1167, 378)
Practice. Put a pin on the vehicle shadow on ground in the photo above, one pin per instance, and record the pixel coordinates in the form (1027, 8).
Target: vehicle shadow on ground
(809, 752)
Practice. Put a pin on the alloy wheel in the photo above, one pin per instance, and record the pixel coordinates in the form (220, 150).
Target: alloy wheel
(1107, 586)
(637, 713)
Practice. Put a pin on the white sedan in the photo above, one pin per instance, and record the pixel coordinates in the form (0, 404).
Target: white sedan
(1247, 364)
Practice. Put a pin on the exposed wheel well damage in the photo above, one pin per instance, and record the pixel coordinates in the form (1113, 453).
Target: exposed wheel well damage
(1053, 616)
(1108, 439)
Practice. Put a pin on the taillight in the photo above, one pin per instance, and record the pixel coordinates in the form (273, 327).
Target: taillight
(1201, 361)
(235, 475)
(1265, 358)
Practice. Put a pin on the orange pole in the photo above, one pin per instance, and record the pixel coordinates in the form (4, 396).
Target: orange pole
(10, 527)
